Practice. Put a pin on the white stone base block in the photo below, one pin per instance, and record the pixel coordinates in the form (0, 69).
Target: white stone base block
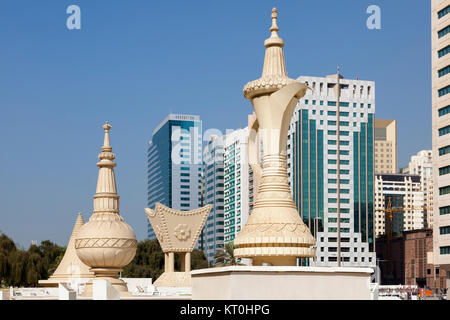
(281, 283)
(65, 292)
(103, 290)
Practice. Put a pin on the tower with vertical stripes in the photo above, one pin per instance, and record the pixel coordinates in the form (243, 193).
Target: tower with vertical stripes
(330, 168)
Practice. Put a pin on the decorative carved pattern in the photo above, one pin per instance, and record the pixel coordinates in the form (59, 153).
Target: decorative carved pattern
(266, 85)
(182, 232)
(105, 243)
(162, 213)
(159, 233)
(151, 213)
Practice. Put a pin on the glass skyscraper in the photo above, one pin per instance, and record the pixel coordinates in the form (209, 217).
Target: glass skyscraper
(330, 167)
(174, 164)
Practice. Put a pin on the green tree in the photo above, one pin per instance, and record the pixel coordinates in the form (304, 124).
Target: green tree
(225, 256)
(7, 247)
(149, 261)
(20, 267)
(198, 260)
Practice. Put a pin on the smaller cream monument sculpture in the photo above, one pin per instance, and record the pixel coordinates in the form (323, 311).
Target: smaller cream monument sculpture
(177, 231)
(106, 243)
(70, 269)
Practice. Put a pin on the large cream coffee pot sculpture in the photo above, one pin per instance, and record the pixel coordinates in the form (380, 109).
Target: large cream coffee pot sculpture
(106, 243)
(274, 233)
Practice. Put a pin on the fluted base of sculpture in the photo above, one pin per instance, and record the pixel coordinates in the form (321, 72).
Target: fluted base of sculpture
(112, 276)
(174, 279)
(274, 233)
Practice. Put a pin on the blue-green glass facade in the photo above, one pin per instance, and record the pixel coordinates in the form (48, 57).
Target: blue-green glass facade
(308, 155)
(163, 171)
(314, 176)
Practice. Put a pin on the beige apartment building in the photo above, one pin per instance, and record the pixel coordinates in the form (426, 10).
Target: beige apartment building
(385, 146)
(404, 192)
(440, 53)
(422, 164)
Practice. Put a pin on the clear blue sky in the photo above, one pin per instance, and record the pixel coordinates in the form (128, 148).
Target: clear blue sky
(133, 61)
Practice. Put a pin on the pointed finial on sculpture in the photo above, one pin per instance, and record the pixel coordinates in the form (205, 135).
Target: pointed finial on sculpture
(106, 143)
(274, 75)
(80, 220)
(274, 39)
(274, 28)
(106, 156)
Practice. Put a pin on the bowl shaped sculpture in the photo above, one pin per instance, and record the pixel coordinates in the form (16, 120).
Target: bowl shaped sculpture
(106, 243)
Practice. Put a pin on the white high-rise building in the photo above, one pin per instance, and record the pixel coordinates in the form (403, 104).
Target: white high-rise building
(212, 237)
(440, 95)
(404, 191)
(236, 176)
(331, 168)
(422, 165)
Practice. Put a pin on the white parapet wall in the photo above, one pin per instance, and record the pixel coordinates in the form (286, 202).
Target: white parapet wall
(282, 283)
(4, 295)
(138, 286)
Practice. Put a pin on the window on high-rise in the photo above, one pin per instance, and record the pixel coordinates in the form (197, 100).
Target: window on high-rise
(443, 12)
(444, 111)
(443, 91)
(443, 51)
(443, 32)
(442, 72)
(444, 190)
(444, 230)
(443, 131)
(444, 150)
(444, 170)
(444, 250)
(444, 210)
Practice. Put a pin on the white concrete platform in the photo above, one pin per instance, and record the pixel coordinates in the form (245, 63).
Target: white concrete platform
(281, 283)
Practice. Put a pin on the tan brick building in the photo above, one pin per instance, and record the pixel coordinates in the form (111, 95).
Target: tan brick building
(410, 261)
(419, 265)
(385, 146)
